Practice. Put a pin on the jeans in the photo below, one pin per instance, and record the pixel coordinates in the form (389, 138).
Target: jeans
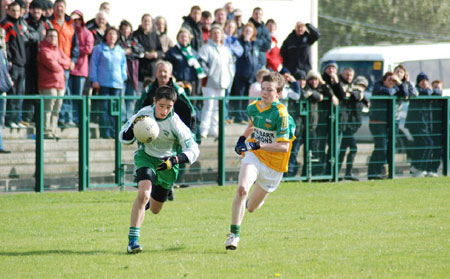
(65, 115)
(76, 86)
(14, 107)
(128, 105)
(107, 122)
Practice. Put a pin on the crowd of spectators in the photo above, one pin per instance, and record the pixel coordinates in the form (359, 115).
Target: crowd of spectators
(47, 51)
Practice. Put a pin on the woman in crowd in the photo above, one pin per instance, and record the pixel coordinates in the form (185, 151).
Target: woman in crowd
(184, 59)
(79, 74)
(133, 51)
(246, 67)
(152, 46)
(217, 62)
(108, 72)
(161, 31)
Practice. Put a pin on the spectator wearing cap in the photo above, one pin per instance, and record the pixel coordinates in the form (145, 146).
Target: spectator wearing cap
(350, 118)
(274, 60)
(419, 123)
(37, 24)
(263, 39)
(48, 11)
(68, 43)
(80, 72)
(379, 127)
(16, 53)
(315, 91)
(192, 23)
(296, 48)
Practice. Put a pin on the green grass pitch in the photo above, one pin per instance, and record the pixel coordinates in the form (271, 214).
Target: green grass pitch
(384, 229)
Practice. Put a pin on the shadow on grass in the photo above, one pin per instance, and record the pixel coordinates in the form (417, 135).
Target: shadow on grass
(177, 248)
(56, 252)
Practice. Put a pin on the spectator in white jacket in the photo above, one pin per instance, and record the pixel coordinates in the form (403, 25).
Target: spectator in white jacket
(218, 64)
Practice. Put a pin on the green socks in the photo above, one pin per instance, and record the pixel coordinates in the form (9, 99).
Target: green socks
(134, 234)
(236, 230)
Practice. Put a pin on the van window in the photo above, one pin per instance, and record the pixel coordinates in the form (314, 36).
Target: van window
(372, 70)
(435, 69)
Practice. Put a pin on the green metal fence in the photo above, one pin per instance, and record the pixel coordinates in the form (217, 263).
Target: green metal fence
(106, 163)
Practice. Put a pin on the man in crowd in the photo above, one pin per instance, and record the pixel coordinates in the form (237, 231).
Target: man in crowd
(296, 48)
(263, 39)
(16, 53)
(192, 23)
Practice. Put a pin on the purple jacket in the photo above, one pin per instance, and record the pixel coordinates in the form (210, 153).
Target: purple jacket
(86, 45)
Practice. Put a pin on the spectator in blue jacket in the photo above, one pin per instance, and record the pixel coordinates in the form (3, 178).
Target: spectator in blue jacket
(108, 72)
(246, 68)
(5, 85)
(263, 38)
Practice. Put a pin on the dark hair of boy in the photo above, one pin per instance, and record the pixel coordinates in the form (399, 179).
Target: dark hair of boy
(165, 92)
(277, 78)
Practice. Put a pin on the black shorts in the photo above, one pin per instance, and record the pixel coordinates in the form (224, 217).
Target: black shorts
(158, 193)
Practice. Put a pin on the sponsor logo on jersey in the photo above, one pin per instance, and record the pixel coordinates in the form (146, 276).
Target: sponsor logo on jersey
(264, 136)
(166, 133)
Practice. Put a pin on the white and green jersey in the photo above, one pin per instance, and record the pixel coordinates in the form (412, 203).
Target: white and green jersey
(173, 133)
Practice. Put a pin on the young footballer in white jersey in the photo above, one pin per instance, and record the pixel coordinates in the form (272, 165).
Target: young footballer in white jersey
(156, 163)
(265, 146)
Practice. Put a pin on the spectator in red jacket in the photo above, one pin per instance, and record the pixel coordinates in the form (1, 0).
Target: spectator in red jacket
(274, 60)
(52, 62)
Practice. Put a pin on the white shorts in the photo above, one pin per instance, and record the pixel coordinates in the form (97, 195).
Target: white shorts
(269, 179)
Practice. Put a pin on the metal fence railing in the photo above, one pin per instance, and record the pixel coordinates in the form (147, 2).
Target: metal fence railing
(85, 157)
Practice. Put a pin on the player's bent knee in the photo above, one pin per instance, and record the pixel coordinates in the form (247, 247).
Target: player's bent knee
(155, 210)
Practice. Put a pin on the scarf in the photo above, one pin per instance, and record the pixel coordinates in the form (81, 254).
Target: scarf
(192, 60)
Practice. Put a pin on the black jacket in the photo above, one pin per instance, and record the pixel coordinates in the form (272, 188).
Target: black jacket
(150, 42)
(15, 41)
(296, 50)
(196, 31)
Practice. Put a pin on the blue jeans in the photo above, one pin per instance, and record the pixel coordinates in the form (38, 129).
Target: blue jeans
(65, 114)
(128, 105)
(107, 122)
(76, 86)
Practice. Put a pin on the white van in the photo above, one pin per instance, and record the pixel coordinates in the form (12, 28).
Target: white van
(373, 61)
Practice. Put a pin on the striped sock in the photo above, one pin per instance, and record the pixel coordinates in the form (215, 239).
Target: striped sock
(134, 234)
(236, 230)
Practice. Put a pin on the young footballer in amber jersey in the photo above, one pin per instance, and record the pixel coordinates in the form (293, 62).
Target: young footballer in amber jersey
(156, 162)
(265, 147)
